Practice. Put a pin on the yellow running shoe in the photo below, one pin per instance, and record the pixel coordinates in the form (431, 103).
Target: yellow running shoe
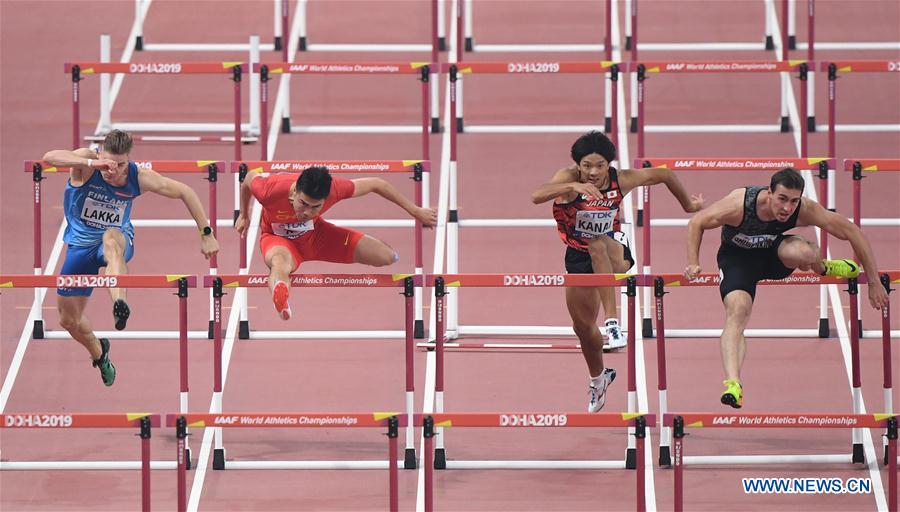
(841, 268)
(734, 394)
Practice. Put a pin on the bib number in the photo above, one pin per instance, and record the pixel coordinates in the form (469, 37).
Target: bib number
(593, 223)
(292, 230)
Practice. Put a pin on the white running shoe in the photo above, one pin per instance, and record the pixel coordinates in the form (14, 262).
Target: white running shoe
(598, 394)
(615, 338)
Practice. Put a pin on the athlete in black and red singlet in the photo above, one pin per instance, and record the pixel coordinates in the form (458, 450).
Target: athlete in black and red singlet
(587, 198)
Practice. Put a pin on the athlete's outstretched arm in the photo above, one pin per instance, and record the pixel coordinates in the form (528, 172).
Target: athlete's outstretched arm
(243, 219)
(629, 179)
(727, 210)
(80, 161)
(152, 181)
(363, 186)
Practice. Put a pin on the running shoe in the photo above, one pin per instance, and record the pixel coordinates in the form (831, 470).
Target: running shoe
(121, 312)
(615, 338)
(734, 394)
(841, 268)
(107, 370)
(280, 295)
(598, 392)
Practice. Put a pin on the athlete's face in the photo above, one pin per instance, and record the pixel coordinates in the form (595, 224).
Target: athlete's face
(117, 176)
(305, 207)
(593, 169)
(784, 201)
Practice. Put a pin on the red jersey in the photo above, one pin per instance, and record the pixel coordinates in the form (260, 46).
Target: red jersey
(585, 218)
(278, 217)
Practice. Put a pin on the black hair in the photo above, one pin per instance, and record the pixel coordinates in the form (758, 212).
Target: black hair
(787, 178)
(593, 142)
(315, 182)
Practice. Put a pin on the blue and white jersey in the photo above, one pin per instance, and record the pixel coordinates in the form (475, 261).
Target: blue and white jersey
(96, 206)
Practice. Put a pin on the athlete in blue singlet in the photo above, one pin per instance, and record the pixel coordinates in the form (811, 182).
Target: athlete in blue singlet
(99, 233)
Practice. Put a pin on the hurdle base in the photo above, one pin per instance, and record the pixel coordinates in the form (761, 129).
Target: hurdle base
(665, 456)
(244, 330)
(302, 47)
(37, 330)
(628, 43)
(640, 218)
(187, 459)
(440, 458)
(811, 124)
(859, 456)
(607, 125)
(419, 329)
(630, 458)
(785, 124)
(285, 125)
(211, 333)
(237, 214)
(647, 328)
(770, 43)
(792, 42)
(409, 459)
(824, 328)
(219, 458)
(139, 43)
(277, 43)
(459, 125)
(633, 127)
(469, 44)
(435, 125)
(442, 44)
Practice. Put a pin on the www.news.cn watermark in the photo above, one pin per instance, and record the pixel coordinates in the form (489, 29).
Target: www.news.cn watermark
(806, 485)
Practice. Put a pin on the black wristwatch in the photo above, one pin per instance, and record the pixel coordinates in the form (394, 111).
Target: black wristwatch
(206, 231)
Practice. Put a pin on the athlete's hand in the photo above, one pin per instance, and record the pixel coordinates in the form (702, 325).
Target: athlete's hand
(104, 164)
(241, 224)
(696, 204)
(878, 296)
(428, 216)
(691, 271)
(587, 189)
(209, 246)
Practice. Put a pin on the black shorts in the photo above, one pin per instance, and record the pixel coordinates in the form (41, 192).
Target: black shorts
(741, 269)
(579, 262)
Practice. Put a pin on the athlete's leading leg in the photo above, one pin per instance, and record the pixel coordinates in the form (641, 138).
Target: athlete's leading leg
(733, 345)
(281, 263)
(584, 305)
(608, 256)
(114, 253)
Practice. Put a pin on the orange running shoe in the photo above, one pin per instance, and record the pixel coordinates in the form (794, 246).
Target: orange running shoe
(280, 295)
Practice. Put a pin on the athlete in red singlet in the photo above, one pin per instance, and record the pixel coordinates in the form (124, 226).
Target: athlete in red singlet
(586, 201)
(293, 230)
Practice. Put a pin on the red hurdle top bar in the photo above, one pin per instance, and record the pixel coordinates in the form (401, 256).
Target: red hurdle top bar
(874, 164)
(165, 166)
(870, 66)
(334, 166)
(315, 280)
(76, 420)
(344, 68)
(155, 68)
(288, 420)
(94, 281)
(778, 420)
(724, 66)
(529, 280)
(539, 419)
(530, 67)
(793, 279)
(733, 163)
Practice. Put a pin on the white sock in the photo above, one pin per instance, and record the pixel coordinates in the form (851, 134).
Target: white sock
(611, 320)
(595, 381)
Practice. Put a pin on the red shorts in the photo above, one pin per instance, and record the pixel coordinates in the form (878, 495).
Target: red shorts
(326, 242)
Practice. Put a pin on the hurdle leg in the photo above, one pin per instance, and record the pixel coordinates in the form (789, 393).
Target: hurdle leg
(145, 464)
(665, 433)
(409, 459)
(301, 21)
(631, 451)
(856, 435)
(181, 457)
(183, 358)
(392, 464)
(440, 456)
(138, 25)
(678, 432)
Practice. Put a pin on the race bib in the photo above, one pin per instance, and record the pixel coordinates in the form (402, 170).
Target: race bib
(292, 230)
(593, 223)
(753, 241)
(98, 214)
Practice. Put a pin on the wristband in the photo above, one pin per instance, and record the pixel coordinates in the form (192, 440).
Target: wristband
(90, 162)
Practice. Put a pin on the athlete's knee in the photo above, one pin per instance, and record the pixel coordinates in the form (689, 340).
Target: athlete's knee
(385, 257)
(68, 321)
(596, 248)
(801, 252)
(583, 329)
(113, 243)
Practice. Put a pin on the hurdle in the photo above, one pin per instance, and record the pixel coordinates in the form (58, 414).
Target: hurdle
(38, 169)
(680, 422)
(422, 70)
(294, 420)
(661, 281)
(441, 283)
(78, 70)
(828, 45)
(420, 170)
(836, 69)
(537, 420)
(821, 166)
(143, 421)
(407, 282)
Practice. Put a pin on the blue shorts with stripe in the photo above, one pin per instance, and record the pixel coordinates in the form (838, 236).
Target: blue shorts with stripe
(87, 260)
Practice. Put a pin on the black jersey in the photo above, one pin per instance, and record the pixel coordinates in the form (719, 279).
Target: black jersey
(585, 218)
(753, 233)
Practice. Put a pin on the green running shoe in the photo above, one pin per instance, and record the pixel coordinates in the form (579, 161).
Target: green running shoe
(734, 394)
(841, 268)
(107, 370)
